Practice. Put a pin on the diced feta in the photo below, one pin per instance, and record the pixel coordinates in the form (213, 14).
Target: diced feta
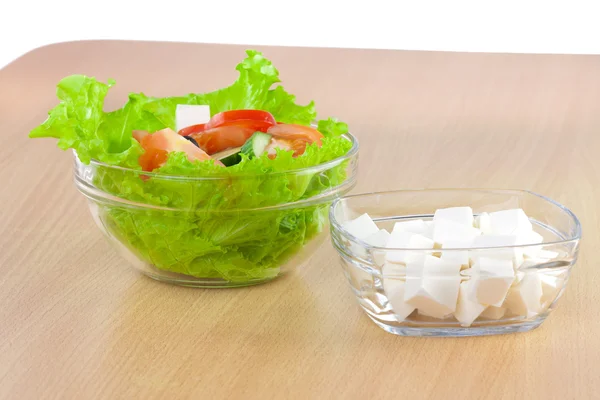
(188, 115)
(510, 222)
(429, 232)
(432, 286)
(551, 286)
(394, 277)
(531, 238)
(484, 223)
(493, 312)
(525, 298)
(378, 239)
(459, 215)
(547, 255)
(445, 230)
(467, 310)
(413, 226)
(460, 257)
(406, 240)
(394, 290)
(503, 252)
(361, 227)
(423, 313)
(393, 271)
(491, 280)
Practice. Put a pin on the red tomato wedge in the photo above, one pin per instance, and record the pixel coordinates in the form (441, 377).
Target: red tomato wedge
(187, 131)
(296, 132)
(222, 138)
(158, 144)
(256, 119)
(292, 137)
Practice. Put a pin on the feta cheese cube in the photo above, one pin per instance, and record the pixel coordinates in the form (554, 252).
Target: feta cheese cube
(424, 314)
(502, 252)
(467, 310)
(525, 298)
(393, 271)
(551, 286)
(432, 286)
(361, 227)
(378, 239)
(459, 215)
(406, 240)
(188, 115)
(493, 312)
(492, 279)
(483, 223)
(460, 257)
(413, 226)
(531, 238)
(445, 230)
(510, 222)
(394, 291)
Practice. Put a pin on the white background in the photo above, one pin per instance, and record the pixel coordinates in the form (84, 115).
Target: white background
(457, 25)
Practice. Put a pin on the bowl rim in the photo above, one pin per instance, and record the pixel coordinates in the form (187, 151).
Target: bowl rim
(352, 152)
(337, 226)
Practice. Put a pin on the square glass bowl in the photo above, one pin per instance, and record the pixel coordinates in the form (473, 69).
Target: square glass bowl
(379, 285)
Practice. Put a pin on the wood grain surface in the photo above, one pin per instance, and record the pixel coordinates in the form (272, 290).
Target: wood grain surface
(76, 322)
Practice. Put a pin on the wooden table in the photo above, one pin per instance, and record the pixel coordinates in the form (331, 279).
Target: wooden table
(76, 322)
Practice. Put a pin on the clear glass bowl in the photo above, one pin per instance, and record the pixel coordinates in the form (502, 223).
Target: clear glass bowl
(379, 285)
(217, 231)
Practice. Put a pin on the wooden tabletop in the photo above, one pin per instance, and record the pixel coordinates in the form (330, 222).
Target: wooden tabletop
(76, 322)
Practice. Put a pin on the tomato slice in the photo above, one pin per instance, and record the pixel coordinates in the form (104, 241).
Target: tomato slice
(187, 131)
(227, 117)
(222, 138)
(296, 132)
(158, 144)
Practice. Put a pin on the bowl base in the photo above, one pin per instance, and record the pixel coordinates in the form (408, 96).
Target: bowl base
(205, 283)
(524, 326)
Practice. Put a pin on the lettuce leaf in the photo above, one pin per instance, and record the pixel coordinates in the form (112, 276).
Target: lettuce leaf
(214, 229)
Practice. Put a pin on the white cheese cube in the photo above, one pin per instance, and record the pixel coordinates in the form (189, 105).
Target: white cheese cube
(510, 222)
(379, 238)
(429, 232)
(459, 215)
(394, 271)
(493, 312)
(413, 226)
(551, 286)
(467, 310)
(547, 255)
(483, 223)
(525, 298)
(406, 240)
(502, 253)
(445, 230)
(531, 238)
(188, 115)
(492, 279)
(432, 286)
(460, 257)
(394, 276)
(361, 227)
(424, 314)
(394, 291)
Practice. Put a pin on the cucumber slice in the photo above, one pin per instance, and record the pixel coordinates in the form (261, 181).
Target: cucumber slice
(229, 157)
(256, 145)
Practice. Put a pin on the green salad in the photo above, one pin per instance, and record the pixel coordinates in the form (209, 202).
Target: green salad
(206, 184)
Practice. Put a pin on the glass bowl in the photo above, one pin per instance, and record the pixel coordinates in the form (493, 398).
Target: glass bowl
(216, 231)
(380, 286)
